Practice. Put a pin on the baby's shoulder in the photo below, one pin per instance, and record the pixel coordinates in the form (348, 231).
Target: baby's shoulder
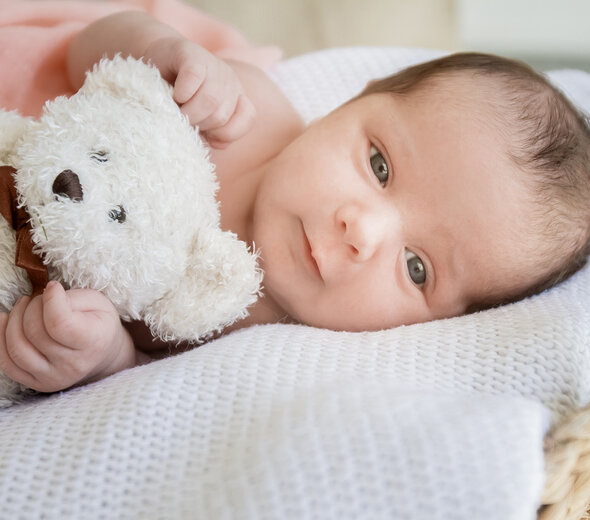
(269, 100)
(275, 125)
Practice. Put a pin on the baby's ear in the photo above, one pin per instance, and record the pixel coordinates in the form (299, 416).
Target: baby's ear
(131, 79)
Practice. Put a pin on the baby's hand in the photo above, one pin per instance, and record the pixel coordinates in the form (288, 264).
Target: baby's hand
(206, 88)
(63, 338)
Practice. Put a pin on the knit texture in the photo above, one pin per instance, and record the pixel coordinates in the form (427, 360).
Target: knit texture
(226, 433)
(442, 420)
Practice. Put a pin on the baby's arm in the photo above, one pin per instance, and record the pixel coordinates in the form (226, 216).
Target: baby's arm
(64, 338)
(206, 88)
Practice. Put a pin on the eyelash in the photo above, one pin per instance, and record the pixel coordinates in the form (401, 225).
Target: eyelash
(375, 153)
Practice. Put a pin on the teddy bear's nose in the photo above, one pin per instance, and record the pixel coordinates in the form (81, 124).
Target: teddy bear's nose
(68, 185)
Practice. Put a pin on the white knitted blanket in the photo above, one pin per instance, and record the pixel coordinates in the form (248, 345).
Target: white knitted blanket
(442, 420)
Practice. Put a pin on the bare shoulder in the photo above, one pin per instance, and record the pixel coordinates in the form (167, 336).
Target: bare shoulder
(275, 125)
(267, 97)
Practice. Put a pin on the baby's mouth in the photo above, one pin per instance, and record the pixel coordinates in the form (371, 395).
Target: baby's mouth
(308, 251)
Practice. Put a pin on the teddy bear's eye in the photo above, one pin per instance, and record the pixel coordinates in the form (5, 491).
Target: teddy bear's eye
(100, 156)
(118, 214)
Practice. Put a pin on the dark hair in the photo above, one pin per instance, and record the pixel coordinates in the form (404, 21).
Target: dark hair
(549, 139)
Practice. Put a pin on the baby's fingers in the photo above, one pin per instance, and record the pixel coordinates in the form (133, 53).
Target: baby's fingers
(19, 359)
(188, 82)
(237, 126)
(215, 102)
(210, 107)
(73, 318)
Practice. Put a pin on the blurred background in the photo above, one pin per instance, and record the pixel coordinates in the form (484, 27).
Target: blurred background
(545, 33)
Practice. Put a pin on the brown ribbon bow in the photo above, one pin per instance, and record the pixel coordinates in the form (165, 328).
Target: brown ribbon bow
(18, 218)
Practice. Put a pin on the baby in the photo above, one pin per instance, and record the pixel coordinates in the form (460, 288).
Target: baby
(451, 186)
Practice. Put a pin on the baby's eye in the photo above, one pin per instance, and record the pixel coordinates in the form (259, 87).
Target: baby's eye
(416, 268)
(379, 166)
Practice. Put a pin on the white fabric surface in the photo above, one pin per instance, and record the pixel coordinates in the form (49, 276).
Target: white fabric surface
(442, 420)
(227, 432)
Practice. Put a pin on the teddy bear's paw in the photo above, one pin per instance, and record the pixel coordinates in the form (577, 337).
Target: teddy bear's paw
(221, 281)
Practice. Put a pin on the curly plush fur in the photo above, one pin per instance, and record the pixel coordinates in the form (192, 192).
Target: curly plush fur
(146, 229)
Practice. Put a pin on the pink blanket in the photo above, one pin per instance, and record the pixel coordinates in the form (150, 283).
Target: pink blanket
(34, 38)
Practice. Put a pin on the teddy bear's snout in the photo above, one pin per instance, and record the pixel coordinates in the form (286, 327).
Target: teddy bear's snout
(67, 184)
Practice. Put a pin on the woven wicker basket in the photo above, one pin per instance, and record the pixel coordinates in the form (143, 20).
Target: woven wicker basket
(567, 460)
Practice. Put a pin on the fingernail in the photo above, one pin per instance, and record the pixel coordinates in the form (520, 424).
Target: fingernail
(51, 283)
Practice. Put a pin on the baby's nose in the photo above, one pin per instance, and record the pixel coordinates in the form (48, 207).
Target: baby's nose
(366, 229)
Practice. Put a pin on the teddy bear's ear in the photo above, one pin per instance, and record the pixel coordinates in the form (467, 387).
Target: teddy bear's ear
(129, 78)
(12, 126)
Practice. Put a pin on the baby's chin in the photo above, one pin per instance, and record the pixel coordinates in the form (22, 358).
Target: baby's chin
(316, 316)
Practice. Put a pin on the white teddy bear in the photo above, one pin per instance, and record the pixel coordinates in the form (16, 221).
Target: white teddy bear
(120, 197)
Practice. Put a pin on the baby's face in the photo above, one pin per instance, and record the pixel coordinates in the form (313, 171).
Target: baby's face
(391, 211)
